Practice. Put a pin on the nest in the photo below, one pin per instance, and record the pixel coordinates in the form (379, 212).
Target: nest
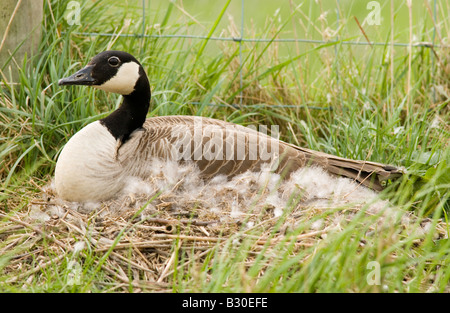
(166, 225)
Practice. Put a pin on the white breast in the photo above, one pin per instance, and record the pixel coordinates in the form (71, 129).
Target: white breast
(86, 168)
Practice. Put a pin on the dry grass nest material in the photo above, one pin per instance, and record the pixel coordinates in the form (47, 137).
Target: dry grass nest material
(149, 226)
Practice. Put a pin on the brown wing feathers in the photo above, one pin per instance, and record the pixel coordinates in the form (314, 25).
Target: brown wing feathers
(230, 146)
(370, 174)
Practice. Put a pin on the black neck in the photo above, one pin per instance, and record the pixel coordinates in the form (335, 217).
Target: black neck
(132, 112)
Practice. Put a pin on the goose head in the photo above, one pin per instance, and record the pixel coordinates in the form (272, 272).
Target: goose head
(111, 71)
(117, 72)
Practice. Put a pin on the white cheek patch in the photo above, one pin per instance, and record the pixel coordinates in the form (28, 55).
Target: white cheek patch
(124, 81)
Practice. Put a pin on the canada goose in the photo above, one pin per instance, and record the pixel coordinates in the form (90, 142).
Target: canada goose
(95, 163)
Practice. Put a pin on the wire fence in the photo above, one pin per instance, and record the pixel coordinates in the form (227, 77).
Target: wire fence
(241, 39)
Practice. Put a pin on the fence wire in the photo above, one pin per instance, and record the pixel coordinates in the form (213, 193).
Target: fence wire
(241, 39)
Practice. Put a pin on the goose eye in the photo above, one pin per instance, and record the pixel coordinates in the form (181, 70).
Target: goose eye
(114, 61)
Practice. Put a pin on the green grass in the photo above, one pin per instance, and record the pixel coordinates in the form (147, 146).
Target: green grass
(382, 110)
